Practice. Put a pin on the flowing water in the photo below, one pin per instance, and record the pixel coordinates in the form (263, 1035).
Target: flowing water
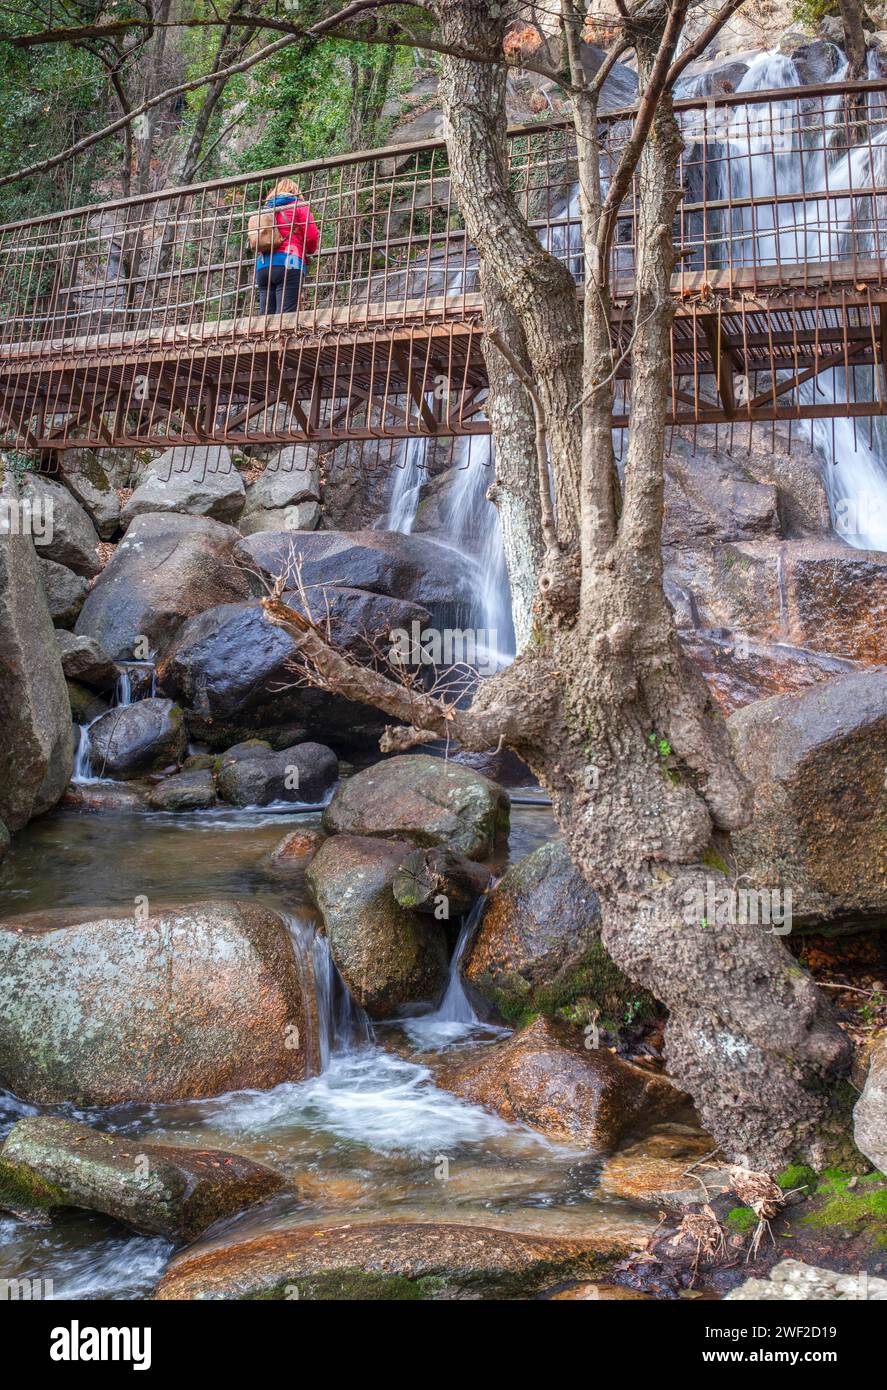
(136, 680)
(371, 1136)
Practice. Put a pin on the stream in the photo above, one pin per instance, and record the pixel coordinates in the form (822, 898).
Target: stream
(370, 1136)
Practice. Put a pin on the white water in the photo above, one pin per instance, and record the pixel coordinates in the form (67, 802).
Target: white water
(814, 229)
(125, 692)
(454, 1020)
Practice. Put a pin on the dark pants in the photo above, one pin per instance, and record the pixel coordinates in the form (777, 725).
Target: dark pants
(278, 288)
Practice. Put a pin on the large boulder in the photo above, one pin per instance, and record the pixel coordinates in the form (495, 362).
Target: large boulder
(65, 592)
(231, 665)
(66, 533)
(86, 477)
(739, 670)
(198, 480)
(287, 494)
(186, 1003)
(37, 750)
(84, 661)
(816, 764)
(49, 1164)
(870, 1111)
(414, 568)
(428, 801)
(137, 738)
(166, 569)
(712, 496)
(387, 955)
(255, 775)
(383, 1260)
(538, 947)
(547, 1077)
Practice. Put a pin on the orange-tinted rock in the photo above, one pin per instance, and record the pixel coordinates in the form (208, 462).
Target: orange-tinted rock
(816, 765)
(545, 1077)
(740, 671)
(297, 849)
(655, 1170)
(190, 1002)
(387, 1260)
(607, 1292)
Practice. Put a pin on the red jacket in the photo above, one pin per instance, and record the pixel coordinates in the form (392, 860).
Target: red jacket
(294, 218)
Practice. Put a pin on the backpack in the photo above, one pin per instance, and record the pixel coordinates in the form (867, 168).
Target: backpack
(263, 232)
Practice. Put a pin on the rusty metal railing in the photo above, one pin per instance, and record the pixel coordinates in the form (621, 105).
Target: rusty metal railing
(136, 320)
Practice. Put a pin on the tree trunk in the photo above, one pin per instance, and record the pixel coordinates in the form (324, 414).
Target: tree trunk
(617, 726)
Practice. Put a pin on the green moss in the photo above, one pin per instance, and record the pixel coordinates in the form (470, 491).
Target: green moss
(797, 1176)
(712, 860)
(863, 1207)
(595, 991)
(25, 1194)
(742, 1220)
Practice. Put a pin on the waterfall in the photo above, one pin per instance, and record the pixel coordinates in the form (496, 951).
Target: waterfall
(410, 473)
(815, 230)
(136, 680)
(454, 1019)
(342, 1024)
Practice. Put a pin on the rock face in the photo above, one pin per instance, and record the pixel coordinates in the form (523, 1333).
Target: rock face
(390, 1260)
(538, 948)
(870, 1111)
(254, 775)
(71, 538)
(712, 496)
(84, 660)
(740, 671)
(48, 1164)
(286, 497)
(183, 1004)
(424, 800)
(544, 1077)
(414, 568)
(230, 664)
(427, 876)
(37, 749)
(136, 738)
(196, 480)
(166, 569)
(816, 763)
(387, 955)
(65, 592)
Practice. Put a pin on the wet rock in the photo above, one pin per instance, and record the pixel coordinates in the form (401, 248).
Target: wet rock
(37, 746)
(197, 480)
(258, 776)
(84, 661)
(739, 670)
(71, 538)
(814, 593)
(816, 62)
(183, 1004)
(545, 1077)
(870, 1111)
(230, 664)
(414, 568)
(391, 1260)
(65, 592)
(425, 800)
(165, 570)
(106, 798)
(792, 1280)
(710, 496)
(85, 704)
(429, 878)
(816, 765)
(387, 955)
(49, 1164)
(655, 1170)
(297, 849)
(136, 738)
(186, 791)
(286, 497)
(538, 947)
(86, 477)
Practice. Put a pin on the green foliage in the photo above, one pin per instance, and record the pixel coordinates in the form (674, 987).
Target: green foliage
(860, 1208)
(810, 13)
(797, 1176)
(742, 1220)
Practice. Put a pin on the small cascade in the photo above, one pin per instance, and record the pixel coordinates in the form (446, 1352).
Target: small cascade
(342, 1024)
(409, 476)
(136, 680)
(454, 1020)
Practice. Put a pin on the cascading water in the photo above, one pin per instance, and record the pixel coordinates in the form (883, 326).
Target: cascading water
(814, 229)
(136, 680)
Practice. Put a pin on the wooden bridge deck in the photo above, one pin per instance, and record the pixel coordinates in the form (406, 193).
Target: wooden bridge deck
(114, 327)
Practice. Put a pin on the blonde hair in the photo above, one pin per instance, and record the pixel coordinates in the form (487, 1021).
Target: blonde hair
(284, 186)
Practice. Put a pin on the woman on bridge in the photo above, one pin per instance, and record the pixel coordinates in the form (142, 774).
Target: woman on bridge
(279, 271)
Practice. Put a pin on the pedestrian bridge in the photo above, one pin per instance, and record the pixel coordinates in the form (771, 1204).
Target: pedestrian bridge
(134, 322)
